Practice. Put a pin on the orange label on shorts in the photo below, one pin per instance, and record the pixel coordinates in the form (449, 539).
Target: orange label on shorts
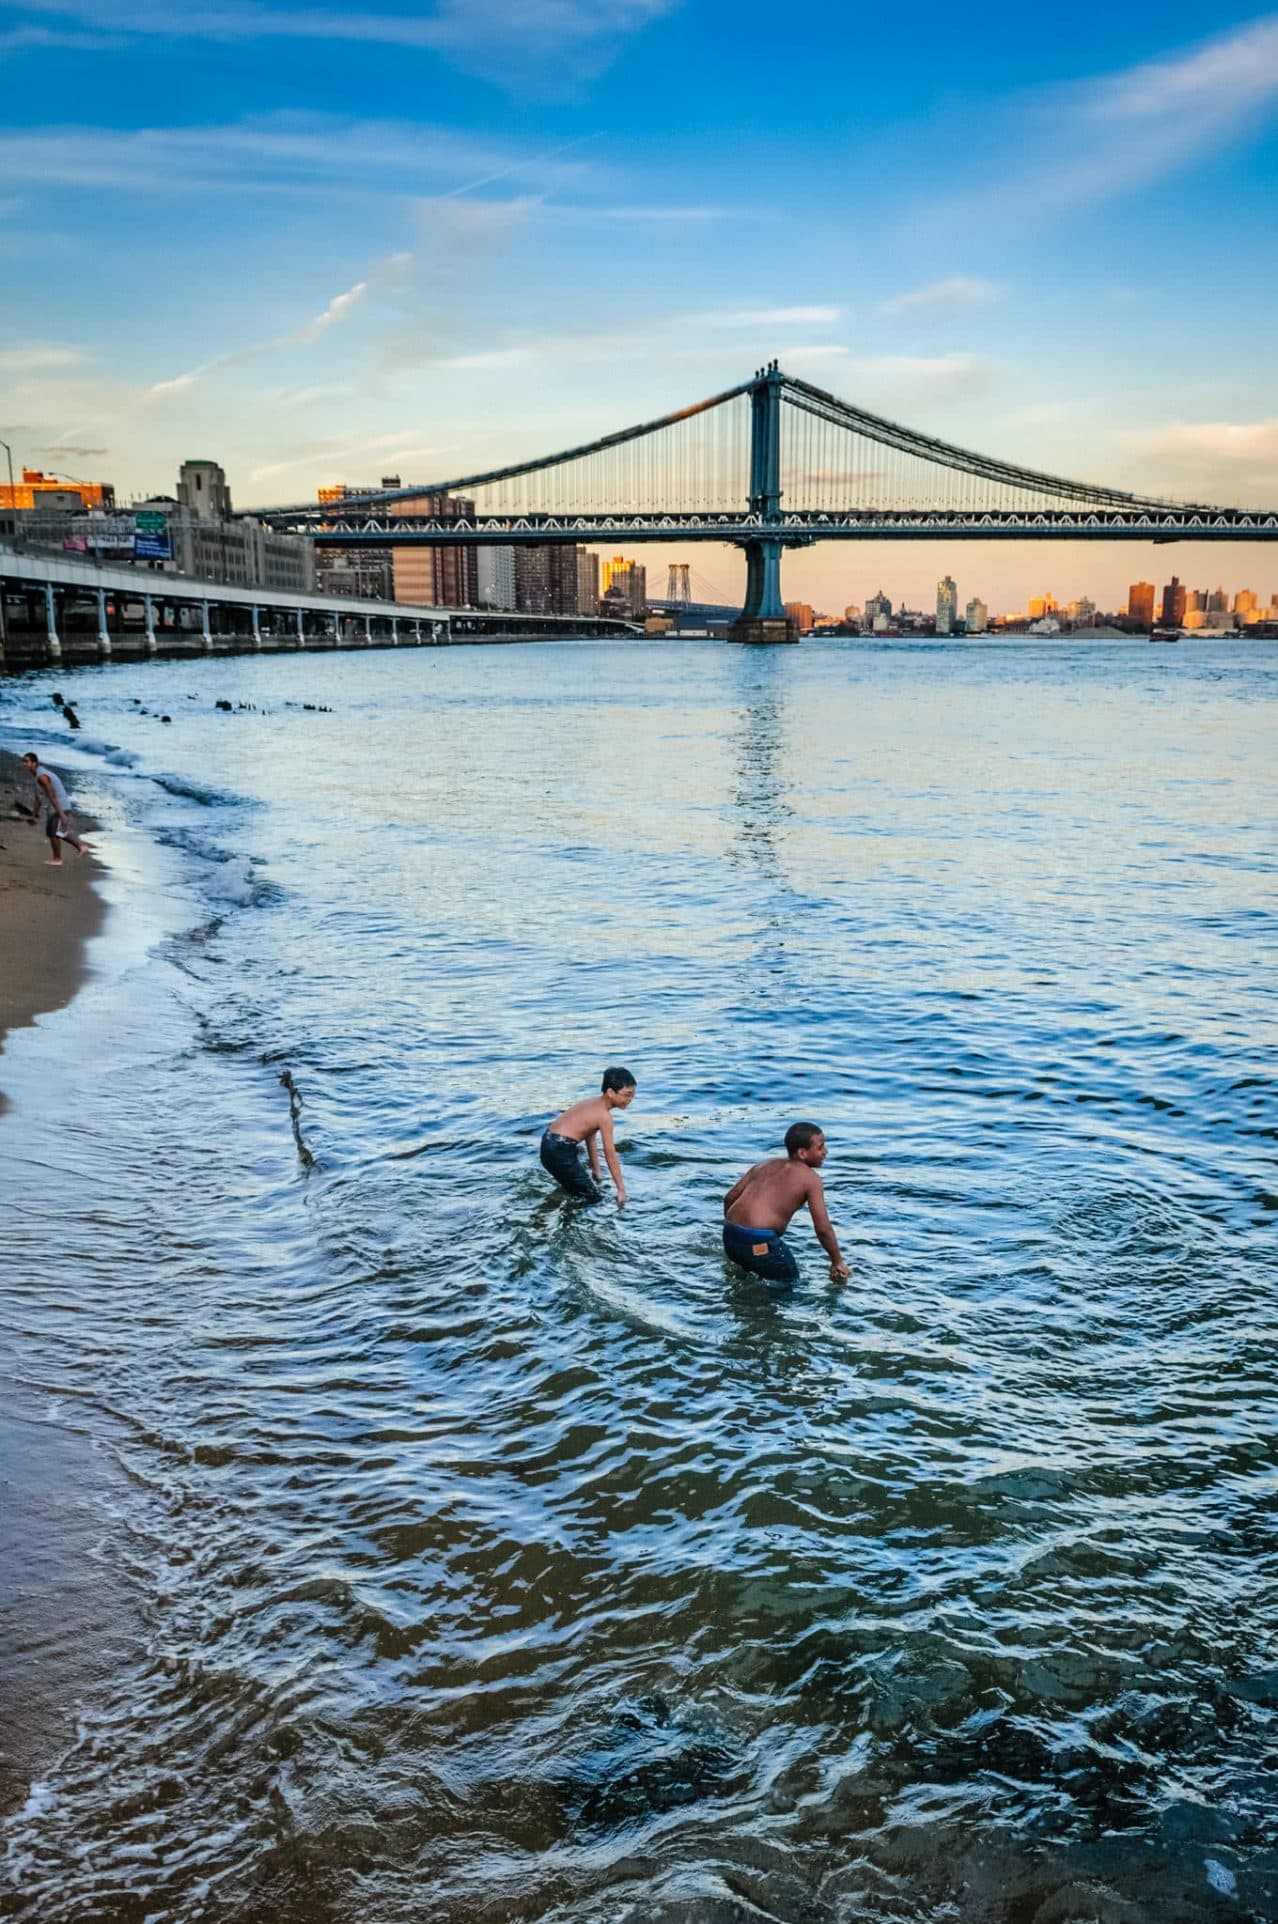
(758, 1249)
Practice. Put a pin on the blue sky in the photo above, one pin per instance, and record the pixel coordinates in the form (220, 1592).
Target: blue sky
(323, 244)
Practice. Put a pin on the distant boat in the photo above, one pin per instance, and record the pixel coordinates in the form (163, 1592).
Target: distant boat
(1163, 637)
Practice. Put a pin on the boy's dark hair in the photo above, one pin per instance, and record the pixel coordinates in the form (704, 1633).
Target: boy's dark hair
(801, 1135)
(30, 756)
(615, 1080)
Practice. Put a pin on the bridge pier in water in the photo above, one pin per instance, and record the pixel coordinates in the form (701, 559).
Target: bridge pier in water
(763, 619)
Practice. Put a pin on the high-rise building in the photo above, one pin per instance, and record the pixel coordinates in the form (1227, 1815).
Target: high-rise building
(978, 616)
(1040, 605)
(877, 605)
(1140, 604)
(495, 577)
(1244, 601)
(1196, 601)
(1218, 602)
(801, 614)
(587, 582)
(548, 579)
(625, 587)
(421, 575)
(946, 605)
(852, 612)
(1173, 609)
(202, 488)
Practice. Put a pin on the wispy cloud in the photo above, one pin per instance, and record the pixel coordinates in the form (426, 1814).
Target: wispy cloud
(67, 39)
(345, 456)
(1116, 135)
(767, 317)
(276, 154)
(942, 298)
(339, 309)
(33, 360)
(500, 38)
(1218, 459)
(60, 448)
(896, 381)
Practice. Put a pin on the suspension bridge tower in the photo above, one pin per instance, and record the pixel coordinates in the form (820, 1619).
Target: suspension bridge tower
(679, 586)
(763, 618)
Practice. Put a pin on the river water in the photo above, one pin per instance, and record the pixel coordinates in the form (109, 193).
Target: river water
(391, 1541)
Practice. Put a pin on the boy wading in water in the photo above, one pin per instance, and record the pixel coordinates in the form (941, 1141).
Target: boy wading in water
(757, 1210)
(586, 1122)
(57, 821)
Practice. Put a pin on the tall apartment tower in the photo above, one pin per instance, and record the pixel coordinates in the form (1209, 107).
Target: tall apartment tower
(587, 582)
(1173, 610)
(495, 572)
(625, 585)
(946, 605)
(1140, 604)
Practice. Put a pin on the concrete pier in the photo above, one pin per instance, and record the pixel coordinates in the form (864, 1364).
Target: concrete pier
(63, 609)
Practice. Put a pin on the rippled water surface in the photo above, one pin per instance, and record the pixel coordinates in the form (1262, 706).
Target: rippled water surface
(390, 1541)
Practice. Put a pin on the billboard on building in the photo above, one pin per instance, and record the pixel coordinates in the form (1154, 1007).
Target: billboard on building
(103, 533)
(151, 537)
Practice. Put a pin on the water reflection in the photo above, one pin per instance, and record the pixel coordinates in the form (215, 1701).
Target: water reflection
(761, 809)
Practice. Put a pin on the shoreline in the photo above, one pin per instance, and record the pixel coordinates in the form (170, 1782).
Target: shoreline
(47, 919)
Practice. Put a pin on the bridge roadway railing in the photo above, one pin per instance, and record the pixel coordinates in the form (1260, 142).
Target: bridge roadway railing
(59, 608)
(800, 526)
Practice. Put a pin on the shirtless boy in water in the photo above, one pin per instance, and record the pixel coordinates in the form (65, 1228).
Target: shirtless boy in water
(586, 1122)
(757, 1210)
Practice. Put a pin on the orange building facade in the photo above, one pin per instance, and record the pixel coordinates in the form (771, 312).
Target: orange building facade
(35, 487)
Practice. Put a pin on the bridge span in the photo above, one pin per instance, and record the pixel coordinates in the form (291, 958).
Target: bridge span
(771, 464)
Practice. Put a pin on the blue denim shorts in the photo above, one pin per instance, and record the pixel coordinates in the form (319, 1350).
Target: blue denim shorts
(762, 1251)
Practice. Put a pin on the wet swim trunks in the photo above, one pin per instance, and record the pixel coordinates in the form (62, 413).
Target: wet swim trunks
(761, 1251)
(565, 1160)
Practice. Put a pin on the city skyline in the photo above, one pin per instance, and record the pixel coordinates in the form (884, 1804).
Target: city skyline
(335, 279)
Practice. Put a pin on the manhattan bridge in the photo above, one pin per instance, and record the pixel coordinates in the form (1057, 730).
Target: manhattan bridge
(774, 463)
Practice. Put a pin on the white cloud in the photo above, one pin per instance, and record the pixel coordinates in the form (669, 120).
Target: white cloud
(339, 309)
(943, 297)
(1104, 138)
(500, 38)
(896, 380)
(767, 317)
(284, 153)
(32, 360)
(1214, 458)
(18, 39)
(350, 453)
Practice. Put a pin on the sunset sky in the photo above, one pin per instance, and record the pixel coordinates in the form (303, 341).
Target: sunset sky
(320, 244)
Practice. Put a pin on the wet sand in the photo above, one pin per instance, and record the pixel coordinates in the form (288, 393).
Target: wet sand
(47, 915)
(49, 1518)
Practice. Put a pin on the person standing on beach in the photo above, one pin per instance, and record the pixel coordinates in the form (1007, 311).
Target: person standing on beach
(757, 1210)
(57, 820)
(587, 1122)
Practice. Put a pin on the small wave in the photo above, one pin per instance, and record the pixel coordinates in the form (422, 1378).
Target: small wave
(189, 791)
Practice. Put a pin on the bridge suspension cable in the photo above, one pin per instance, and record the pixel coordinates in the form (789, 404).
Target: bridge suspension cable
(836, 456)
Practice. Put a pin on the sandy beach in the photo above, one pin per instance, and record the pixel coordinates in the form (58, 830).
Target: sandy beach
(47, 915)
